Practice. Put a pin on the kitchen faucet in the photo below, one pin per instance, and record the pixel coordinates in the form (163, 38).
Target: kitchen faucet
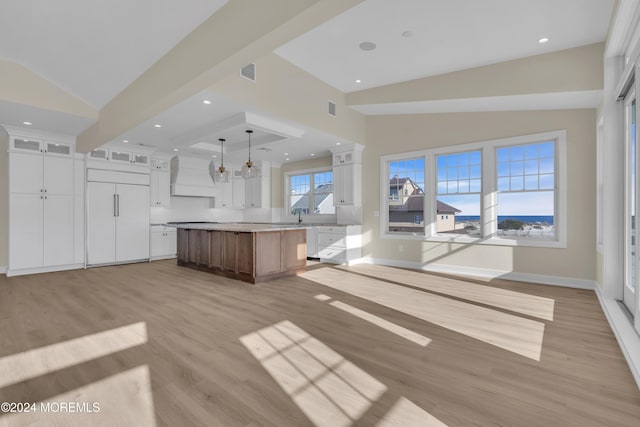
(299, 216)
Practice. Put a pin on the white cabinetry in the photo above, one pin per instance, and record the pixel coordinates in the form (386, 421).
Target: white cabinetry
(117, 218)
(346, 185)
(347, 176)
(238, 190)
(41, 205)
(120, 157)
(253, 193)
(141, 159)
(312, 242)
(164, 242)
(339, 244)
(224, 197)
(160, 183)
(160, 188)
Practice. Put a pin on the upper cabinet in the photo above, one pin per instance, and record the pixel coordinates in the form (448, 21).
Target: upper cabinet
(347, 175)
(35, 146)
(120, 157)
(160, 181)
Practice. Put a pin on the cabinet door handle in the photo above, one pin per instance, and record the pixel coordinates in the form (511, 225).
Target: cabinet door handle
(114, 205)
(118, 199)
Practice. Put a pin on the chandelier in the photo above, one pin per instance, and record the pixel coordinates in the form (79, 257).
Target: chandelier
(250, 170)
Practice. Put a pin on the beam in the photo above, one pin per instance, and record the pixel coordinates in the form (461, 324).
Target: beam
(235, 35)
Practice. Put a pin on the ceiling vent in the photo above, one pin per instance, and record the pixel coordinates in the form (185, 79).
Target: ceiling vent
(249, 72)
(331, 109)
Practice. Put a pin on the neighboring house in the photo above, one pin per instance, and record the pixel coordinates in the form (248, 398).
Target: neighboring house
(446, 220)
(322, 201)
(406, 207)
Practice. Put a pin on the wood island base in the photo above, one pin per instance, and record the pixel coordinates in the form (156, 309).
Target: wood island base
(251, 256)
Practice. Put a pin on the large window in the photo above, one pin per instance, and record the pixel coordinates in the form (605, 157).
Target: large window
(458, 193)
(631, 258)
(509, 191)
(526, 190)
(406, 195)
(310, 193)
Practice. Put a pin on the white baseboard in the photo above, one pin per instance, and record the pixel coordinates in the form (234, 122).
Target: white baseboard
(542, 279)
(22, 272)
(628, 339)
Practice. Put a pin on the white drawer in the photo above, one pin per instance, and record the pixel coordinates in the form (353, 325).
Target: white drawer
(332, 229)
(331, 239)
(163, 229)
(333, 253)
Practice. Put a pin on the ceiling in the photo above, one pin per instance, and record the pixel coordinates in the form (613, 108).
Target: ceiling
(446, 36)
(193, 128)
(95, 49)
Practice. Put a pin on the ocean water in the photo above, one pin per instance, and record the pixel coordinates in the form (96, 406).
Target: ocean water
(527, 219)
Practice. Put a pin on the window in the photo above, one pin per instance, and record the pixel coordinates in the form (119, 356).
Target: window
(405, 181)
(458, 193)
(310, 193)
(510, 191)
(526, 190)
(631, 177)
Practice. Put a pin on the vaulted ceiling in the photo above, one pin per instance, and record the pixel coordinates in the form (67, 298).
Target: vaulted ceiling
(136, 63)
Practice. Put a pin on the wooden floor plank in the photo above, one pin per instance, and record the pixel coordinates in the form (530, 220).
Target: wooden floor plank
(200, 373)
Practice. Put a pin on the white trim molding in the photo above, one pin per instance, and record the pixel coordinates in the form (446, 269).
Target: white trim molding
(628, 339)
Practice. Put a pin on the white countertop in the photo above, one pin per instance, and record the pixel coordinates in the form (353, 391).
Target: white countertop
(248, 228)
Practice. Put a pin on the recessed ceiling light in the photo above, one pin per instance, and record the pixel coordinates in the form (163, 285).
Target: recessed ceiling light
(367, 46)
(543, 40)
(206, 101)
(214, 156)
(125, 141)
(358, 81)
(313, 154)
(27, 123)
(157, 125)
(338, 143)
(286, 154)
(287, 158)
(175, 149)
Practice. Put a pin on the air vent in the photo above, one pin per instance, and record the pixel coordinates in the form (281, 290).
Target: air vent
(249, 72)
(332, 108)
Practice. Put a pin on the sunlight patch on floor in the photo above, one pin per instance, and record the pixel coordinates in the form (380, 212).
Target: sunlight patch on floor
(124, 399)
(405, 413)
(330, 390)
(29, 364)
(531, 305)
(513, 333)
(403, 332)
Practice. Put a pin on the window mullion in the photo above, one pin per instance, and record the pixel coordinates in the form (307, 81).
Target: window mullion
(430, 196)
(489, 199)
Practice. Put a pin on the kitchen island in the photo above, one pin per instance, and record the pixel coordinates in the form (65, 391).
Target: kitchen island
(249, 252)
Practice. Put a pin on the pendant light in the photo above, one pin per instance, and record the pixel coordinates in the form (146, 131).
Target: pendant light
(222, 175)
(249, 170)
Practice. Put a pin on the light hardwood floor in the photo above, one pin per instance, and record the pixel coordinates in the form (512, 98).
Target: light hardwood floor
(157, 344)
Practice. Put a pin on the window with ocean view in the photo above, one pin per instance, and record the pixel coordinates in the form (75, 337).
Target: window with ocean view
(509, 191)
(526, 190)
(458, 193)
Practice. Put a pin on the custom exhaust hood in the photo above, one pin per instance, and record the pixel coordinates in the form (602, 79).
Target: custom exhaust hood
(192, 176)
